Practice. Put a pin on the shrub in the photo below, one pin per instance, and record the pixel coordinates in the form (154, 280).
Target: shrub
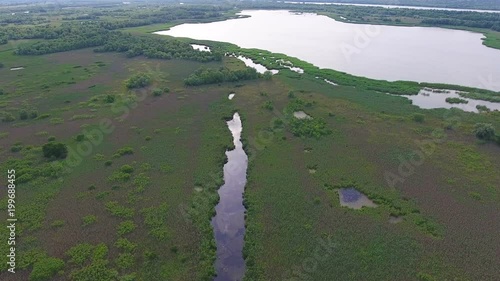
(119, 176)
(174, 249)
(100, 252)
(125, 260)
(475, 195)
(58, 223)
(482, 108)
(43, 116)
(98, 157)
(129, 277)
(125, 151)
(309, 128)
(108, 163)
(268, 75)
(16, 148)
(425, 277)
(154, 218)
(150, 255)
(138, 81)
(419, 117)
(484, 131)
(53, 149)
(278, 123)
(456, 100)
(125, 245)
(8, 117)
(51, 138)
(157, 92)
(96, 271)
(166, 90)
(148, 138)
(268, 105)
(127, 169)
(109, 99)
(23, 114)
(80, 253)
(126, 227)
(118, 210)
(45, 269)
(88, 220)
(80, 137)
(33, 114)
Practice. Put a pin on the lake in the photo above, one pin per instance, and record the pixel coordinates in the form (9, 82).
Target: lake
(422, 54)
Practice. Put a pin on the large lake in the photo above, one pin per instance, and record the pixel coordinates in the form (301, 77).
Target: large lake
(422, 54)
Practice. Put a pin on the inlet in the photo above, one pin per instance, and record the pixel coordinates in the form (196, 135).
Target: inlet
(229, 220)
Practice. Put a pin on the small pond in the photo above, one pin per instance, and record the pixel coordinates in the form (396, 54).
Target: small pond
(352, 198)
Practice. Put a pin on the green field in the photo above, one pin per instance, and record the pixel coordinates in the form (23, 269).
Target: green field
(134, 196)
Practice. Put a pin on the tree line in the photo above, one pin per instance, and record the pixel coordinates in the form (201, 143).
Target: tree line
(204, 76)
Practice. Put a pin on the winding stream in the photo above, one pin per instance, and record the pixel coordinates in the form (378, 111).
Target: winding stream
(229, 221)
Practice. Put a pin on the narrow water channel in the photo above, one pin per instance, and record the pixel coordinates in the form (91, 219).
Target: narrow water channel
(229, 220)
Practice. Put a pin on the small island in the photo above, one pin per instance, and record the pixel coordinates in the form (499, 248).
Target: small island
(456, 100)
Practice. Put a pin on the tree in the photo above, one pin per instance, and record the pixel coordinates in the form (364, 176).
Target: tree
(23, 114)
(55, 149)
(109, 99)
(138, 81)
(484, 131)
(33, 114)
(45, 269)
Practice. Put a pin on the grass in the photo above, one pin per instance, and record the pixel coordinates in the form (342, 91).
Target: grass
(155, 177)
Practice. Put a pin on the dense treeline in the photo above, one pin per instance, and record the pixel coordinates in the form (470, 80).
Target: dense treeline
(124, 19)
(74, 37)
(383, 15)
(204, 76)
(464, 4)
(64, 38)
(155, 47)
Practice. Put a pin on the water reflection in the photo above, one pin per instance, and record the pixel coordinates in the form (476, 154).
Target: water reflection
(229, 221)
(422, 54)
(432, 98)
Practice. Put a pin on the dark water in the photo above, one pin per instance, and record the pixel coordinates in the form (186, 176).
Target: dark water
(229, 221)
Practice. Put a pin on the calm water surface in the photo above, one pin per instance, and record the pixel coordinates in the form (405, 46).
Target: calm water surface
(428, 99)
(422, 54)
(229, 221)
